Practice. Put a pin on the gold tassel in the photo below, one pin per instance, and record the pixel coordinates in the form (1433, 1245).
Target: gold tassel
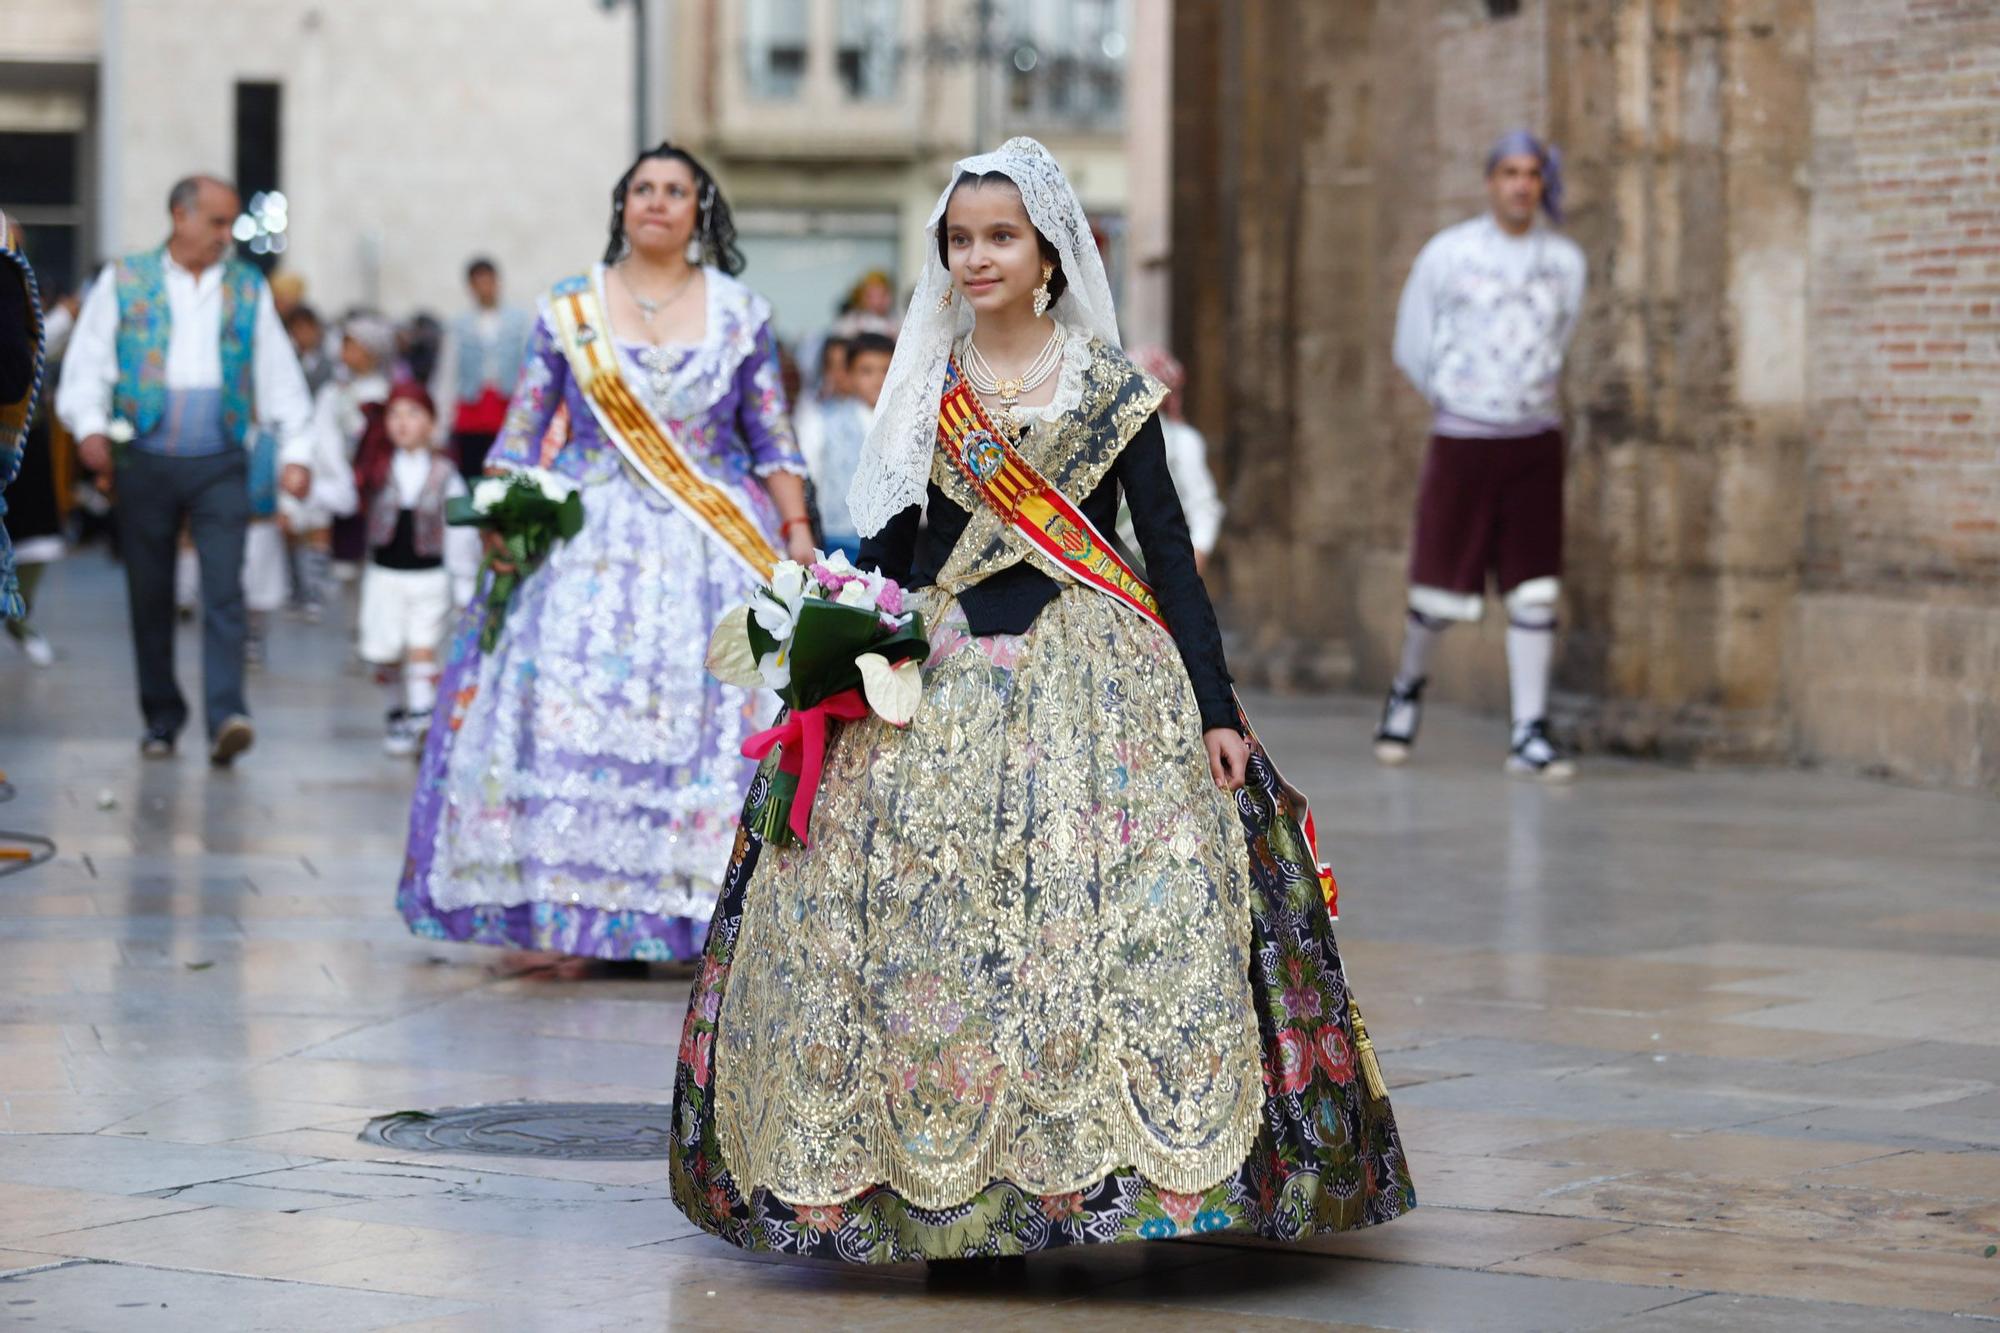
(1364, 1049)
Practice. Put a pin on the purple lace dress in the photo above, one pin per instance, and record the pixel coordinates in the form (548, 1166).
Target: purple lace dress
(580, 784)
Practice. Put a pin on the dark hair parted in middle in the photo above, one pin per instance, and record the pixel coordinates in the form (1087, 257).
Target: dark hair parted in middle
(714, 227)
(863, 343)
(1058, 281)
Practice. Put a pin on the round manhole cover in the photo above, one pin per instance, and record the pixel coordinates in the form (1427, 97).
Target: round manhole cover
(573, 1131)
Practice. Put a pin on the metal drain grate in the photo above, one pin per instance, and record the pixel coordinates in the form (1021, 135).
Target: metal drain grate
(569, 1131)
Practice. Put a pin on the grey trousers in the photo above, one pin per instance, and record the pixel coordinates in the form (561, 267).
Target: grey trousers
(212, 493)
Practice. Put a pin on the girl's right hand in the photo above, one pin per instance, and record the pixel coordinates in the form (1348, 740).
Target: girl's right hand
(495, 547)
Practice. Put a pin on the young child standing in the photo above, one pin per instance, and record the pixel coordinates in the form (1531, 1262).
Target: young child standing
(419, 570)
(342, 411)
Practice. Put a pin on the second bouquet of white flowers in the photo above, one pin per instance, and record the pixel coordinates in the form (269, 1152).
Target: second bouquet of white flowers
(531, 509)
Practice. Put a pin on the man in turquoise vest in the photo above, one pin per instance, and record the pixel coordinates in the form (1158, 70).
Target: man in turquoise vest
(177, 354)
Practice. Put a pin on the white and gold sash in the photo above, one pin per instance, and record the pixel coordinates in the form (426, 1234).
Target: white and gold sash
(722, 512)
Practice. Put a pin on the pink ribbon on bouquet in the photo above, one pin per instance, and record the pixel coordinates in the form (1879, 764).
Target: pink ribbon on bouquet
(803, 734)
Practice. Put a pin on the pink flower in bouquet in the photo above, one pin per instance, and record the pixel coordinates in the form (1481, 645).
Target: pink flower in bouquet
(891, 600)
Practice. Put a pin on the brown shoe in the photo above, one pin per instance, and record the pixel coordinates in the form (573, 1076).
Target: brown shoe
(236, 736)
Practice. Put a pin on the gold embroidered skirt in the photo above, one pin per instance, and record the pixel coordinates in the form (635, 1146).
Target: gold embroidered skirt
(1018, 946)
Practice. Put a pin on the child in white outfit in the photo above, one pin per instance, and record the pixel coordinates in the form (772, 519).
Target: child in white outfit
(419, 570)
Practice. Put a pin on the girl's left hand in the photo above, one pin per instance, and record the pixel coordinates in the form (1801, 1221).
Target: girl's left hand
(799, 544)
(1228, 757)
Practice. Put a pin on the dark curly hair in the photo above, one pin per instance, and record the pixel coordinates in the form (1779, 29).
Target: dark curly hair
(1058, 281)
(714, 226)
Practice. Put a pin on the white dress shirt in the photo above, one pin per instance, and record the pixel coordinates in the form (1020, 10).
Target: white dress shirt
(194, 358)
(1484, 323)
(1187, 464)
(337, 423)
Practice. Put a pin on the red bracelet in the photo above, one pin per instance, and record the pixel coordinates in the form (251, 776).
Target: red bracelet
(790, 523)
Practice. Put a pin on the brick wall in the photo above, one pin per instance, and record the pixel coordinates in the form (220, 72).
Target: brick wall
(1905, 336)
(1896, 653)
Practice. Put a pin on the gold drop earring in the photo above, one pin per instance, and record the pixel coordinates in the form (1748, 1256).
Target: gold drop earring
(1042, 298)
(944, 302)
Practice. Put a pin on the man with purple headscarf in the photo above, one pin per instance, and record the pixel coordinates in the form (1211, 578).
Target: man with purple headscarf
(1485, 320)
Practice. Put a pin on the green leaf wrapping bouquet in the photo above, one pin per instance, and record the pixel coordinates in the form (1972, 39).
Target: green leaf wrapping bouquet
(836, 643)
(531, 509)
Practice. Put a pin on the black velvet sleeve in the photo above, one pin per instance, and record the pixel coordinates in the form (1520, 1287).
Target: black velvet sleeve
(893, 550)
(1163, 538)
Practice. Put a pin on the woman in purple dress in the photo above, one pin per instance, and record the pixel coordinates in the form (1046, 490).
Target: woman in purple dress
(580, 783)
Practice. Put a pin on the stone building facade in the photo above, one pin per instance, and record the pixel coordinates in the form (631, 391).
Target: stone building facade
(408, 137)
(1783, 515)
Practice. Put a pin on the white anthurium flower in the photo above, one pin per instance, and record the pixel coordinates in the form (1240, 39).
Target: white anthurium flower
(730, 659)
(775, 669)
(892, 691)
(120, 431)
(488, 492)
(856, 594)
(839, 563)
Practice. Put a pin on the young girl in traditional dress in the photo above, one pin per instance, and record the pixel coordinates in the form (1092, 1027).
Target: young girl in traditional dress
(1055, 967)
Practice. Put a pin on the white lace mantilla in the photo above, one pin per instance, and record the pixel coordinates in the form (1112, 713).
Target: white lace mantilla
(896, 463)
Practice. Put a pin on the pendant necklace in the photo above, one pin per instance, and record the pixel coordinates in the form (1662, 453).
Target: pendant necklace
(1009, 390)
(649, 308)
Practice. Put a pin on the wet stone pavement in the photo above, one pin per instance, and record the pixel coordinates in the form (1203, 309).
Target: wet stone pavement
(1671, 1050)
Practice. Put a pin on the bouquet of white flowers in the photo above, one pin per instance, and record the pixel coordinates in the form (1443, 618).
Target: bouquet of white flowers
(531, 509)
(836, 643)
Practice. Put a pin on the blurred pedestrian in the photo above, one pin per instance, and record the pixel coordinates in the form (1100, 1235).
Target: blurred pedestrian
(181, 347)
(348, 415)
(419, 569)
(288, 294)
(34, 502)
(20, 384)
(870, 307)
(419, 347)
(1483, 327)
(831, 437)
(1187, 461)
(580, 786)
(483, 351)
(327, 521)
(308, 335)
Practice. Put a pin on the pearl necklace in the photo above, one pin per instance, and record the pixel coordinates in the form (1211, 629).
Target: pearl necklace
(1009, 391)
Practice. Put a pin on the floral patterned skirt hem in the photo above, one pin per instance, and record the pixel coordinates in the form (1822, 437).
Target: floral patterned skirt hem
(581, 932)
(1327, 1156)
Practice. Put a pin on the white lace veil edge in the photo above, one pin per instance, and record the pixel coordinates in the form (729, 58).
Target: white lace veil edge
(895, 464)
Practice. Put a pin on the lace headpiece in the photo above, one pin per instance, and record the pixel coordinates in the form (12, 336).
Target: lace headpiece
(895, 464)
